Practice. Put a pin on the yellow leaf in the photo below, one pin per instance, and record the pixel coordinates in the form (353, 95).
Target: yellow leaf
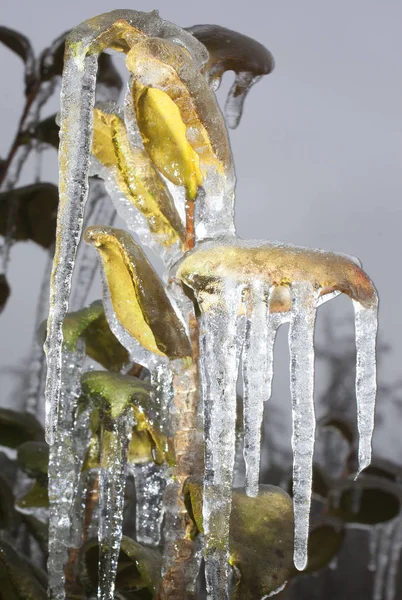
(138, 296)
(136, 177)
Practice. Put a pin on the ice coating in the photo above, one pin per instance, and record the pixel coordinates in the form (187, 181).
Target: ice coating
(83, 46)
(100, 210)
(112, 481)
(218, 339)
(301, 347)
(150, 481)
(299, 279)
(64, 471)
(243, 83)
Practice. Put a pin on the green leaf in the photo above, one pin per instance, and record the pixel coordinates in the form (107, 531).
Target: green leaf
(113, 393)
(18, 427)
(19, 579)
(36, 497)
(260, 539)
(33, 458)
(4, 290)
(20, 44)
(36, 213)
(369, 500)
(138, 296)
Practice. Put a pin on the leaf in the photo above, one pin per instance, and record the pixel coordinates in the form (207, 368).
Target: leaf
(19, 579)
(278, 265)
(232, 51)
(4, 289)
(165, 139)
(7, 512)
(33, 458)
(260, 539)
(325, 542)
(20, 44)
(18, 427)
(46, 131)
(137, 294)
(35, 498)
(369, 500)
(113, 394)
(138, 567)
(136, 177)
(36, 213)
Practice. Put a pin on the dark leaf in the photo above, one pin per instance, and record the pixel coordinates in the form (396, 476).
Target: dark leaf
(18, 427)
(4, 289)
(20, 44)
(36, 214)
(38, 529)
(47, 131)
(369, 500)
(33, 458)
(19, 579)
(261, 538)
(7, 511)
(380, 467)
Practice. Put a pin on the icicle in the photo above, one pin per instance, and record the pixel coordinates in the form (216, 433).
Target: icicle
(386, 532)
(63, 475)
(111, 501)
(366, 382)
(374, 534)
(219, 376)
(236, 97)
(101, 211)
(76, 114)
(257, 376)
(150, 481)
(301, 346)
(394, 561)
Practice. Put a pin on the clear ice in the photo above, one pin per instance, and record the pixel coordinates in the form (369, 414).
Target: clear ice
(150, 481)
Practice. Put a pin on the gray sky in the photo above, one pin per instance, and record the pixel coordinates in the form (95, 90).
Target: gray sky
(318, 150)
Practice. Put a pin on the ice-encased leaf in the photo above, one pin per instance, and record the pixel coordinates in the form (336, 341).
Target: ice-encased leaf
(17, 428)
(35, 218)
(260, 539)
(136, 177)
(137, 294)
(164, 135)
(114, 393)
(233, 51)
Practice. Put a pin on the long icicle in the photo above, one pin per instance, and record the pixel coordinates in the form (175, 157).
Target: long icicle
(366, 324)
(150, 481)
(301, 346)
(112, 484)
(76, 115)
(258, 356)
(219, 377)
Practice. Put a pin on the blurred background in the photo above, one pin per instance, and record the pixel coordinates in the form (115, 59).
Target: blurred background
(317, 156)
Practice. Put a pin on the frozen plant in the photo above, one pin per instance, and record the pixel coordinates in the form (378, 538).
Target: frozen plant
(172, 347)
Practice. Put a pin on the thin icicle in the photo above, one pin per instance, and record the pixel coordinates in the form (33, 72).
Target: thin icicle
(257, 376)
(374, 534)
(236, 97)
(394, 561)
(219, 376)
(63, 475)
(76, 115)
(301, 346)
(150, 481)
(101, 211)
(366, 323)
(112, 484)
(384, 547)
